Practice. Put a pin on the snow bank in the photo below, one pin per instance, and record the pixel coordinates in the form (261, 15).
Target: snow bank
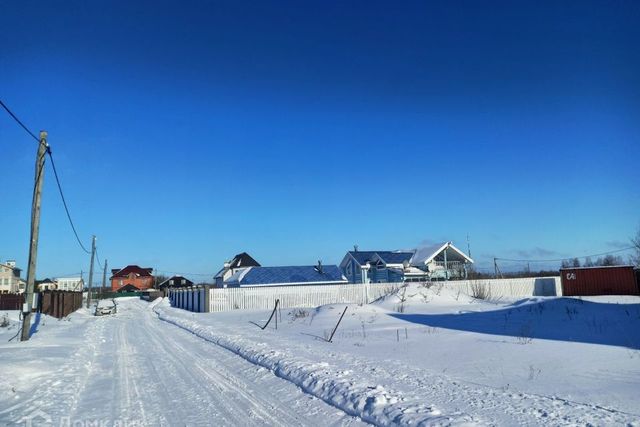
(371, 402)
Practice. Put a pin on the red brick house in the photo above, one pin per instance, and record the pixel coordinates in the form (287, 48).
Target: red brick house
(140, 278)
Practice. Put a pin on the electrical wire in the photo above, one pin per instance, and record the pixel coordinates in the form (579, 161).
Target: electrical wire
(566, 258)
(55, 172)
(20, 122)
(64, 202)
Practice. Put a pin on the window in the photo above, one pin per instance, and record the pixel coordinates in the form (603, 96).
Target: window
(348, 268)
(183, 282)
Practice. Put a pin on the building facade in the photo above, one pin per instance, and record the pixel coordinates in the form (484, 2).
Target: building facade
(10, 278)
(132, 276)
(438, 262)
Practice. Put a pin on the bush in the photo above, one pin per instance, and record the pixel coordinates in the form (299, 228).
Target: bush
(480, 290)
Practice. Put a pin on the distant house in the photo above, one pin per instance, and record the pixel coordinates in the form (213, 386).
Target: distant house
(73, 284)
(286, 276)
(238, 263)
(128, 288)
(45, 285)
(137, 277)
(175, 282)
(375, 266)
(9, 278)
(438, 262)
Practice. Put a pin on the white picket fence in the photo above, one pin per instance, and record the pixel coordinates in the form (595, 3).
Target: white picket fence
(295, 296)
(203, 299)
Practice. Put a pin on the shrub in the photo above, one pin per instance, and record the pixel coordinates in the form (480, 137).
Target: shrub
(480, 290)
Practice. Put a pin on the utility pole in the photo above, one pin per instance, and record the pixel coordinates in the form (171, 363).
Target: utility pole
(104, 277)
(35, 232)
(497, 270)
(93, 254)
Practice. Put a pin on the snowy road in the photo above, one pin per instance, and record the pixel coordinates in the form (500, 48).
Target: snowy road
(133, 368)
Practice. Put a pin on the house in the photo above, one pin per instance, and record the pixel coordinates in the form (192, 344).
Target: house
(239, 262)
(137, 277)
(438, 262)
(175, 282)
(73, 284)
(127, 288)
(9, 278)
(256, 276)
(45, 285)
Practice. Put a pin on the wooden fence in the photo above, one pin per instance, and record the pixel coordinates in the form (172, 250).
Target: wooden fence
(11, 301)
(59, 303)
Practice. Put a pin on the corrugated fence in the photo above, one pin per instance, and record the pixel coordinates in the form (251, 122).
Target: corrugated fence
(209, 299)
(59, 303)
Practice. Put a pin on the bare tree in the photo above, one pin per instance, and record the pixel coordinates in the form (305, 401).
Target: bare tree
(635, 241)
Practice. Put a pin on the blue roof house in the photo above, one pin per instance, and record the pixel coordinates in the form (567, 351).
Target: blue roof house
(438, 262)
(257, 276)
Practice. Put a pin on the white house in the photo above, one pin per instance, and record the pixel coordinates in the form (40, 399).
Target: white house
(438, 262)
(10, 278)
(73, 284)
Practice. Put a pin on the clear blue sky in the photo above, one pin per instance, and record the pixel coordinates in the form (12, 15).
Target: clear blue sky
(185, 132)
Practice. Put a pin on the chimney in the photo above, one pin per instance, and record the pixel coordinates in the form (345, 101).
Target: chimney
(355, 248)
(319, 267)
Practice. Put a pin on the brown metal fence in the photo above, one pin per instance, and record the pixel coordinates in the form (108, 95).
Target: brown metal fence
(11, 301)
(59, 303)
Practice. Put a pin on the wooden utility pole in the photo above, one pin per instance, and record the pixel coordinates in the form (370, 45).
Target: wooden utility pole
(35, 232)
(93, 254)
(104, 277)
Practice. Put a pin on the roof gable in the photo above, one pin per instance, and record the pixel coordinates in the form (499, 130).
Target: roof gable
(131, 269)
(243, 260)
(427, 254)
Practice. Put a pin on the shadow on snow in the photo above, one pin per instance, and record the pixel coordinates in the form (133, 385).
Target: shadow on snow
(561, 319)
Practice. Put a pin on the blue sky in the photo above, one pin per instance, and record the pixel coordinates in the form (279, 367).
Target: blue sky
(186, 132)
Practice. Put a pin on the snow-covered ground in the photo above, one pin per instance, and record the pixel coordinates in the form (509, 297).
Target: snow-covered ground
(133, 369)
(450, 359)
(439, 358)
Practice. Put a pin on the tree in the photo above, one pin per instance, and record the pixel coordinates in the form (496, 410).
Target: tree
(635, 241)
(565, 263)
(575, 262)
(588, 262)
(609, 260)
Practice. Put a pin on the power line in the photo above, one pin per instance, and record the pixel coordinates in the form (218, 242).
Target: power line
(55, 172)
(566, 258)
(20, 122)
(184, 274)
(64, 202)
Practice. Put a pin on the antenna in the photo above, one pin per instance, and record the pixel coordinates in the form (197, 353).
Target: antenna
(468, 246)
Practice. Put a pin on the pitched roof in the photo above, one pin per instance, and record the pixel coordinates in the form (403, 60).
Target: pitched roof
(426, 254)
(131, 269)
(175, 279)
(254, 276)
(395, 257)
(389, 257)
(241, 260)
